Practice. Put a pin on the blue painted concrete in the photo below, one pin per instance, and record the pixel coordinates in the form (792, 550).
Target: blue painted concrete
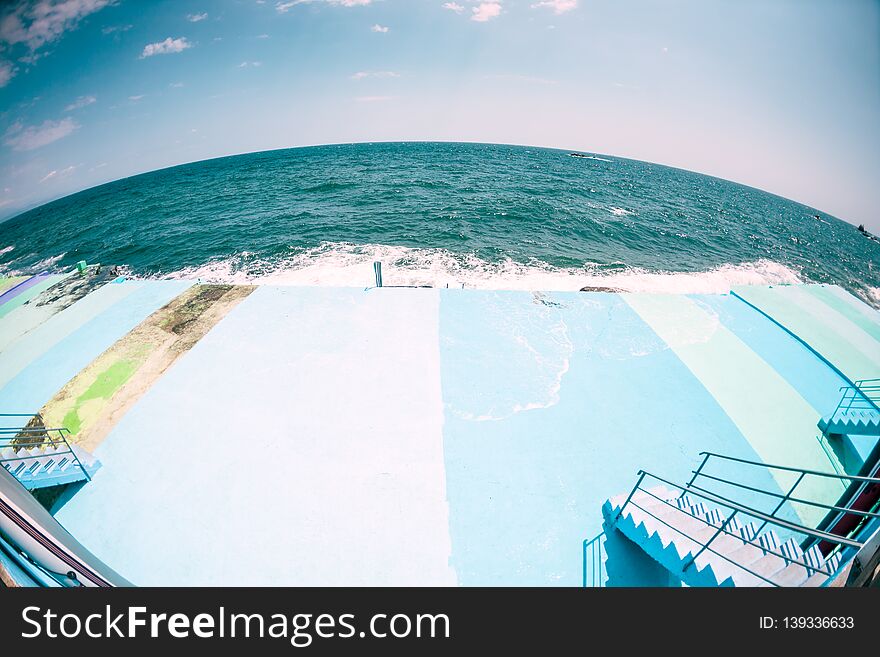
(802, 368)
(43, 377)
(818, 384)
(26, 284)
(21, 343)
(552, 404)
(340, 436)
(299, 442)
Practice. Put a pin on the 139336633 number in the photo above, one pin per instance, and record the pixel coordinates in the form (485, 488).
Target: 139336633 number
(818, 622)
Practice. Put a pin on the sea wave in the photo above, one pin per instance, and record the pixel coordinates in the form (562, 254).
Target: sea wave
(341, 264)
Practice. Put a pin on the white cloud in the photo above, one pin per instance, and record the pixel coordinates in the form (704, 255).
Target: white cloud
(195, 18)
(27, 138)
(38, 22)
(111, 29)
(284, 7)
(176, 85)
(7, 72)
(558, 6)
(263, 36)
(373, 99)
(135, 99)
(80, 102)
(32, 57)
(453, 6)
(381, 29)
(167, 47)
(251, 64)
(486, 11)
(360, 75)
(59, 174)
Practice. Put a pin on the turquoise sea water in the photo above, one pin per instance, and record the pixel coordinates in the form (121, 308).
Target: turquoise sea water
(444, 213)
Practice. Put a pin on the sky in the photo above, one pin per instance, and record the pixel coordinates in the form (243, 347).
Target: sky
(783, 95)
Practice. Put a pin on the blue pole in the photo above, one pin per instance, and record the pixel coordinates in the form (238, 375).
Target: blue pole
(377, 267)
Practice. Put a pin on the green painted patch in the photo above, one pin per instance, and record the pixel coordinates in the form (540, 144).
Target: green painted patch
(103, 387)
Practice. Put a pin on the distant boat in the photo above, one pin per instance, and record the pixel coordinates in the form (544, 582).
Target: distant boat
(864, 232)
(589, 157)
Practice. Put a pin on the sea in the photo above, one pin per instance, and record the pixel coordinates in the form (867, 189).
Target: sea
(443, 214)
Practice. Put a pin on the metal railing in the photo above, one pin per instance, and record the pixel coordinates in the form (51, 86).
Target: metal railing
(35, 435)
(864, 395)
(783, 498)
(841, 544)
(594, 574)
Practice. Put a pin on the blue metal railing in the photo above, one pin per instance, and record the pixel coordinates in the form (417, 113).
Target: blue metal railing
(842, 544)
(864, 395)
(789, 496)
(35, 435)
(594, 574)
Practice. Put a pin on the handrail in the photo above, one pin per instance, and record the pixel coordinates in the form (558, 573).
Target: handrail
(595, 548)
(789, 495)
(755, 513)
(789, 498)
(705, 546)
(818, 473)
(33, 429)
(10, 436)
(859, 395)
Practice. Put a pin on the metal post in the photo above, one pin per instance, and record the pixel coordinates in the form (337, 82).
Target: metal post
(782, 502)
(714, 536)
(642, 474)
(377, 268)
(696, 474)
(585, 563)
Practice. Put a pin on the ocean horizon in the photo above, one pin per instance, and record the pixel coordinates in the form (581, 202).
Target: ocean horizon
(443, 214)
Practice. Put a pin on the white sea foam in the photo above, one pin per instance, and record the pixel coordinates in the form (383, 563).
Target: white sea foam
(620, 212)
(350, 265)
(46, 264)
(6, 249)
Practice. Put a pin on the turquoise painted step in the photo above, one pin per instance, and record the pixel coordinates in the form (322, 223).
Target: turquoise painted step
(673, 530)
(51, 466)
(862, 422)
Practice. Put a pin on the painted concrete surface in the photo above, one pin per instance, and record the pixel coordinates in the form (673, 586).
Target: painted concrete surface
(552, 402)
(802, 369)
(299, 442)
(7, 282)
(59, 355)
(58, 296)
(778, 422)
(18, 296)
(321, 436)
(824, 327)
(24, 349)
(14, 290)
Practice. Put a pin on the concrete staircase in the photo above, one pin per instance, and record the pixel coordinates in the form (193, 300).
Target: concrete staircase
(857, 412)
(51, 464)
(853, 422)
(674, 531)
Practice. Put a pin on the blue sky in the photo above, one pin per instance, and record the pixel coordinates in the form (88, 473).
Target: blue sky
(782, 95)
